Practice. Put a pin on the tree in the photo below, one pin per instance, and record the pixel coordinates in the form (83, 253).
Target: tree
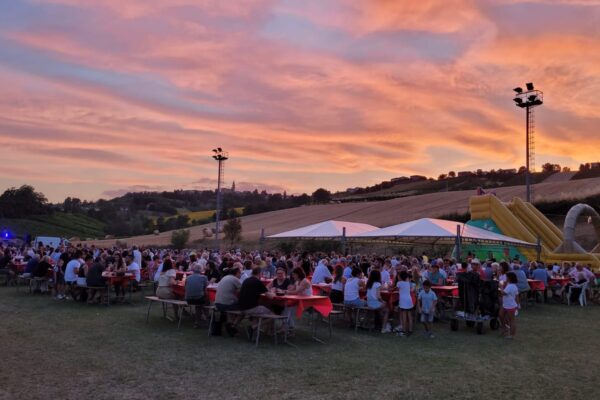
(232, 230)
(23, 202)
(566, 169)
(451, 174)
(321, 196)
(180, 238)
(442, 177)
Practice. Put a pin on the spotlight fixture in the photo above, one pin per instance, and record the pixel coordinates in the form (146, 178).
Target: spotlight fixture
(529, 86)
(518, 90)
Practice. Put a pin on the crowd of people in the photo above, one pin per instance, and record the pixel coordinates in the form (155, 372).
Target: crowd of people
(242, 277)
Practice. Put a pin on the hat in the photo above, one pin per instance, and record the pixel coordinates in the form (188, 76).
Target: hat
(476, 261)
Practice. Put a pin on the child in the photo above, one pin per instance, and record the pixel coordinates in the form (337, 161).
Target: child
(427, 301)
(405, 304)
(510, 305)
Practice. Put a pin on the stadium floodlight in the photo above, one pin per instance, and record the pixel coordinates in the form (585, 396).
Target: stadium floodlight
(518, 90)
(529, 86)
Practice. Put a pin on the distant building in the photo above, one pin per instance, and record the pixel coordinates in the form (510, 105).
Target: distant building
(353, 190)
(507, 171)
(595, 165)
(400, 179)
(417, 178)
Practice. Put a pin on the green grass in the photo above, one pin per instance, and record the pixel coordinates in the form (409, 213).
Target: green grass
(55, 349)
(198, 215)
(57, 224)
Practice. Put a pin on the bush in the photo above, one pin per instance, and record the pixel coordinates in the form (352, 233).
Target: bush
(180, 238)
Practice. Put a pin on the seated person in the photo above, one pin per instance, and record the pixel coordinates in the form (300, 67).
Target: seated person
(195, 291)
(321, 273)
(352, 289)
(301, 287)
(95, 280)
(41, 271)
(227, 299)
(375, 302)
(250, 292)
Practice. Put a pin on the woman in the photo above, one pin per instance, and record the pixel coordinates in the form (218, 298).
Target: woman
(165, 281)
(300, 287)
(337, 287)
(119, 268)
(504, 269)
(510, 305)
(279, 284)
(405, 304)
(211, 272)
(352, 289)
(374, 301)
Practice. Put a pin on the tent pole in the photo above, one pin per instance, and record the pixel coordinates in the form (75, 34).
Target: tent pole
(344, 240)
(458, 244)
(538, 249)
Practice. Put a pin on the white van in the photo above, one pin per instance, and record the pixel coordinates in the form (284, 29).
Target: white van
(52, 241)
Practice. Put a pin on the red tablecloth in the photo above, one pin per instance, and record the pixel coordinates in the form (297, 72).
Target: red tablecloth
(558, 281)
(113, 279)
(321, 304)
(536, 285)
(445, 291)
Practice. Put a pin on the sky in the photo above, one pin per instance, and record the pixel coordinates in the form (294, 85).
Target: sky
(102, 97)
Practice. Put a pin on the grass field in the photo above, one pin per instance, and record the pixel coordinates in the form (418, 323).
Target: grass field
(53, 349)
(200, 215)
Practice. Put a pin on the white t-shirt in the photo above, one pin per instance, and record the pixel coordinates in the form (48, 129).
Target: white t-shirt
(247, 273)
(337, 286)
(163, 280)
(385, 276)
(70, 275)
(509, 296)
(135, 268)
(321, 272)
(351, 289)
(157, 273)
(405, 299)
(372, 293)
(137, 257)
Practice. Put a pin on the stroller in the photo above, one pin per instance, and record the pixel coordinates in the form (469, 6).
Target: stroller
(478, 302)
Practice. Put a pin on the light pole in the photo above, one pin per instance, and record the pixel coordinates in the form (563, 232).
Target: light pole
(528, 100)
(220, 156)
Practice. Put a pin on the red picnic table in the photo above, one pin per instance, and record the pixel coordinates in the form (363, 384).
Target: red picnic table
(536, 285)
(114, 279)
(445, 290)
(558, 281)
(321, 304)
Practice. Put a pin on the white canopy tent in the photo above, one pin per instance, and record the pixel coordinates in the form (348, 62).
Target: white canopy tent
(327, 230)
(438, 231)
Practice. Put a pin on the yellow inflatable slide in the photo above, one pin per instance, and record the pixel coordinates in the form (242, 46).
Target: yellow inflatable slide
(523, 221)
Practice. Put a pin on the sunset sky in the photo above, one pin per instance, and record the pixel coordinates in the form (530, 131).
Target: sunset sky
(101, 97)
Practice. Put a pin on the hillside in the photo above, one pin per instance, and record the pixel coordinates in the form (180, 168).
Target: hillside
(56, 224)
(379, 213)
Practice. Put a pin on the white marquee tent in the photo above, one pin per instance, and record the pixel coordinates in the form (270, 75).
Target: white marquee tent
(326, 230)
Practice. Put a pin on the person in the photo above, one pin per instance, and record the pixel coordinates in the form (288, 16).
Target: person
(279, 284)
(300, 287)
(352, 289)
(427, 301)
(435, 277)
(540, 273)
(337, 287)
(250, 292)
(136, 256)
(374, 301)
(165, 282)
(211, 272)
(321, 273)
(95, 282)
(82, 293)
(487, 272)
(227, 299)
(577, 286)
(71, 271)
(247, 273)
(510, 305)
(41, 271)
(31, 265)
(59, 279)
(195, 291)
(134, 268)
(504, 269)
(406, 304)
(522, 282)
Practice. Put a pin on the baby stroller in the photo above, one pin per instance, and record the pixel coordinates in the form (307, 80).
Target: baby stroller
(478, 302)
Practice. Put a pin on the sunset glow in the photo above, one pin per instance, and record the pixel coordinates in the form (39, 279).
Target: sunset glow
(101, 97)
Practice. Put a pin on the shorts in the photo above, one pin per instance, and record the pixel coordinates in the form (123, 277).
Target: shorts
(426, 317)
(511, 311)
(354, 303)
(196, 302)
(257, 311)
(375, 304)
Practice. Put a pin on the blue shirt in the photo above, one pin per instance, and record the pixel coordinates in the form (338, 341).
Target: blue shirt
(540, 274)
(522, 283)
(347, 272)
(427, 300)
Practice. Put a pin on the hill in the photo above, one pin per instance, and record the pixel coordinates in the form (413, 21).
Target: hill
(379, 213)
(56, 224)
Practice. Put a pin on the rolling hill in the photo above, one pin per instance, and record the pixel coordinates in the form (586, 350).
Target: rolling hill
(379, 213)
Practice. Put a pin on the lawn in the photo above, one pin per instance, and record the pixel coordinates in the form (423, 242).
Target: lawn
(54, 349)
(56, 224)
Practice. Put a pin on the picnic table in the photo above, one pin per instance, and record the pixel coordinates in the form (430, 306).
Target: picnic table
(114, 279)
(445, 290)
(536, 285)
(559, 281)
(321, 304)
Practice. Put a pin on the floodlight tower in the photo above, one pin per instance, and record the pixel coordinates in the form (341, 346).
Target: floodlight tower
(220, 156)
(528, 100)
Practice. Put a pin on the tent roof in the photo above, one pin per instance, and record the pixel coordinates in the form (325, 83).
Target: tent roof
(326, 229)
(434, 231)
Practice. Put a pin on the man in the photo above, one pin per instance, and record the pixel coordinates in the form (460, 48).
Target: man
(250, 292)
(95, 280)
(226, 298)
(347, 268)
(540, 273)
(435, 277)
(31, 266)
(522, 283)
(579, 269)
(71, 271)
(487, 273)
(195, 291)
(321, 274)
(137, 255)
(134, 268)
(247, 270)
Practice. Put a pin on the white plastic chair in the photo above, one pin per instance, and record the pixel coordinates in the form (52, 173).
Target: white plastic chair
(582, 295)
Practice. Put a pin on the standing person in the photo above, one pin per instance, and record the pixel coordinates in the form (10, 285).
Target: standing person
(59, 279)
(195, 291)
(71, 271)
(427, 301)
(406, 304)
(510, 305)
(374, 301)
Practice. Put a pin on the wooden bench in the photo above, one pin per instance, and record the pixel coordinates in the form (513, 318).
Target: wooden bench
(357, 311)
(180, 303)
